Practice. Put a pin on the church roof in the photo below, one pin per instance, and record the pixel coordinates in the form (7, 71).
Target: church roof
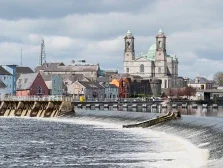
(129, 32)
(151, 53)
(160, 31)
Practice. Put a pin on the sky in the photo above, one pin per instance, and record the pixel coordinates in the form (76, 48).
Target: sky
(94, 30)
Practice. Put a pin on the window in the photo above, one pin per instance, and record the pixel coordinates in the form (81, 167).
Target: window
(20, 81)
(127, 70)
(141, 68)
(128, 44)
(160, 44)
(159, 70)
(39, 90)
(202, 86)
(25, 80)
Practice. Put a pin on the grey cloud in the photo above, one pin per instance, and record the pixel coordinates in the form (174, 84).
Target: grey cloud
(11, 9)
(94, 30)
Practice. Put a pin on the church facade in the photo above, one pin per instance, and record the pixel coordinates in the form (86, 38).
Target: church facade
(156, 64)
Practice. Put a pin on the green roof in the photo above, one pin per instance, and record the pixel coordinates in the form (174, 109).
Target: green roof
(129, 32)
(151, 53)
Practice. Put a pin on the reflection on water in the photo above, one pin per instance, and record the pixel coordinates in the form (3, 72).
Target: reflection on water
(189, 110)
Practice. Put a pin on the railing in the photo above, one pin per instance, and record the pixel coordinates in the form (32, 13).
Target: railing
(116, 100)
(38, 98)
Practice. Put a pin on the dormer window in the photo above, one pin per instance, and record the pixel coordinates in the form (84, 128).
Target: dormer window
(197, 80)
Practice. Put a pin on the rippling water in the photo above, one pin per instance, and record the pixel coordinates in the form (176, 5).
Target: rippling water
(97, 139)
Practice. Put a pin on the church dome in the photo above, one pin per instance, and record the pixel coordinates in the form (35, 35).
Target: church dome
(151, 52)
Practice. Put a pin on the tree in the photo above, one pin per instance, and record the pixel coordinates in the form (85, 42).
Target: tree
(170, 92)
(189, 91)
(218, 78)
(179, 92)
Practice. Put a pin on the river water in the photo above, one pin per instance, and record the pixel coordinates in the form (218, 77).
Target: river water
(95, 138)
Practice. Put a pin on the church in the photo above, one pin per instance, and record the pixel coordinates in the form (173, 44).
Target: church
(156, 64)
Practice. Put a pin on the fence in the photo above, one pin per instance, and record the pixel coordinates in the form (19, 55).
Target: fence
(38, 98)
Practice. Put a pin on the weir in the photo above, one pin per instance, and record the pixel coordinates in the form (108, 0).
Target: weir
(36, 106)
(158, 120)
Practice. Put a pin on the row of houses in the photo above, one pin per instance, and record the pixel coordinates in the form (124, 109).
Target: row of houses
(30, 83)
(82, 80)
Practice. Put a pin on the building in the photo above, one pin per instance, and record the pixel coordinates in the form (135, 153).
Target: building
(123, 86)
(31, 84)
(54, 84)
(111, 91)
(12, 70)
(90, 90)
(6, 82)
(88, 70)
(2, 89)
(23, 70)
(200, 83)
(155, 64)
(69, 79)
(108, 73)
(139, 88)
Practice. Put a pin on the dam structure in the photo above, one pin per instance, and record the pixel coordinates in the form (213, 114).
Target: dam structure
(36, 106)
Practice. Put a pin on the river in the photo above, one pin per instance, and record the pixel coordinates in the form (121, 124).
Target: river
(95, 138)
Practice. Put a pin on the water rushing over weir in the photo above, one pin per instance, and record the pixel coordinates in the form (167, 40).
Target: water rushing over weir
(97, 139)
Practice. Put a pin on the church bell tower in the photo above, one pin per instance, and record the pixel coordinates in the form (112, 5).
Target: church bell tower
(160, 56)
(129, 52)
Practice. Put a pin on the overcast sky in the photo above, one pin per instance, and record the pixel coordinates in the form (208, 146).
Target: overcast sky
(94, 30)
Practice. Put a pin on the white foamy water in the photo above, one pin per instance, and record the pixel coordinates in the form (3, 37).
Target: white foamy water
(160, 149)
(168, 151)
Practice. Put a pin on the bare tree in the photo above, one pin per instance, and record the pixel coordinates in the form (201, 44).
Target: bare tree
(170, 92)
(189, 91)
(179, 92)
(218, 78)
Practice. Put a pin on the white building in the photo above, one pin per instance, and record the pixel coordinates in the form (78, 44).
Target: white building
(155, 64)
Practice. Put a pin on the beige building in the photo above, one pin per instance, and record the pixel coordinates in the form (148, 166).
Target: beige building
(155, 64)
(87, 70)
(200, 83)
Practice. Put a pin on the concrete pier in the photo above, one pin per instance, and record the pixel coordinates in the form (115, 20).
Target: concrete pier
(194, 105)
(184, 105)
(160, 119)
(214, 106)
(204, 105)
(154, 106)
(174, 105)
